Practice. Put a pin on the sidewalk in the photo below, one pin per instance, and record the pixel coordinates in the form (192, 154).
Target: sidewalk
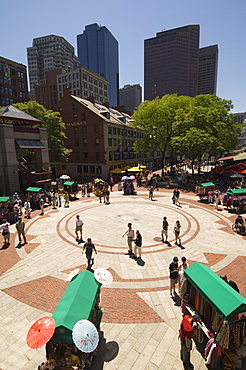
(140, 319)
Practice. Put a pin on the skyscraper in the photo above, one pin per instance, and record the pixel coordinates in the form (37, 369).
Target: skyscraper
(207, 72)
(98, 51)
(47, 53)
(130, 96)
(171, 62)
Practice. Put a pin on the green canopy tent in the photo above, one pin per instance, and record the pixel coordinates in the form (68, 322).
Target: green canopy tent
(70, 183)
(77, 303)
(35, 190)
(221, 296)
(4, 199)
(206, 184)
(236, 192)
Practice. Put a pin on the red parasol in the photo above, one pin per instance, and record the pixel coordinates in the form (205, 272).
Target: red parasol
(40, 332)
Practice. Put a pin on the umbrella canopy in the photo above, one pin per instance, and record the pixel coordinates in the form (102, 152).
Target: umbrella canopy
(237, 176)
(124, 178)
(141, 166)
(72, 274)
(85, 336)
(132, 177)
(40, 332)
(126, 168)
(134, 169)
(117, 170)
(103, 276)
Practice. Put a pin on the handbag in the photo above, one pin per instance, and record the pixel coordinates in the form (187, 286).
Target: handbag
(5, 232)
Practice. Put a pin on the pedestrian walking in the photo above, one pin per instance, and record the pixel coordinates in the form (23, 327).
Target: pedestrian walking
(130, 236)
(174, 273)
(27, 207)
(78, 228)
(41, 205)
(20, 227)
(164, 231)
(89, 247)
(66, 200)
(185, 335)
(5, 231)
(107, 194)
(138, 245)
(151, 192)
(184, 265)
(176, 231)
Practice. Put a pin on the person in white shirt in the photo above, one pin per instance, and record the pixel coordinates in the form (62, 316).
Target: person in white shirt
(130, 236)
(5, 231)
(78, 229)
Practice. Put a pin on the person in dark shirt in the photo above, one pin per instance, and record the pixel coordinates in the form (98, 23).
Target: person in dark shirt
(174, 273)
(89, 247)
(240, 224)
(230, 282)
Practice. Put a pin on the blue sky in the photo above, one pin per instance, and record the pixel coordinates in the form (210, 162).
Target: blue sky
(221, 22)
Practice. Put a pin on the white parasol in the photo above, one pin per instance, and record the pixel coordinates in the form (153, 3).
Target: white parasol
(85, 336)
(72, 274)
(103, 276)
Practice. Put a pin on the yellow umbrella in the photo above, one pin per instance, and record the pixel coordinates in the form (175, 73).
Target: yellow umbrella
(117, 170)
(134, 169)
(126, 168)
(141, 166)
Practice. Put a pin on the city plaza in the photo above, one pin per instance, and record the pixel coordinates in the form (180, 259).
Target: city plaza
(140, 319)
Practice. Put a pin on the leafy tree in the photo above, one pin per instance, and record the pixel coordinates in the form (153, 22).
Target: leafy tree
(156, 118)
(207, 128)
(54, 126)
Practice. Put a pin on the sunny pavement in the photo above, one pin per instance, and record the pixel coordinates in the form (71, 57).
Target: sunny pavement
(139, 314)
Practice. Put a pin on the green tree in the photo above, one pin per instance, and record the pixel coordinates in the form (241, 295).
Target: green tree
(54, 126)
(207, 128)
(157, 118)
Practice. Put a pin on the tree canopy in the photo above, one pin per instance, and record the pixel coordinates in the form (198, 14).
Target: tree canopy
(54, 126)
(184, 125)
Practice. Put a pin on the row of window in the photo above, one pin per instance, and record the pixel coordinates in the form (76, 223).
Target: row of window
(84, 141)
(129, 133)
(86, 157)
(7, 101)
(13, 92)
(116, 142)
(86, 171)
(8, 70)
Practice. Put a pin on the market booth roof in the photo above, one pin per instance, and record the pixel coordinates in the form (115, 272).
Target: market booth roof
(236, 192)
(70, 183)
(221, 296)
(77, 303)
(207, 184)
(35, 190)
(4, 199)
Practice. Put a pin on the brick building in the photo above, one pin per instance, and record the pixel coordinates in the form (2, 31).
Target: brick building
(101, 138)
(13, 82)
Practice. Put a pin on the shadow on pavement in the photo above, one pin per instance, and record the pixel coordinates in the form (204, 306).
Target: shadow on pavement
(106, 353)
(5, 246)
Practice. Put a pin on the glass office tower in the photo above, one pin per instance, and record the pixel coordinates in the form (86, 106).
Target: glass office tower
(98, 51)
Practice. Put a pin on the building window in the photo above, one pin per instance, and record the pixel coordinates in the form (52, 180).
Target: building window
(109, 141)
(76, 142)
(84, 142)
(92, 171)
(98, 170)
(83, 129)
(110, 156)
(86, 172)
(89, 79)
(114, 130)
(96, 129)
(97, 142)
(79, 171)
(109, 130)
(75, 118)
(97, 156)
(85, 156)
(83, 117)
(76, 130)
(64, 169)
(84, 77)
(77, 156)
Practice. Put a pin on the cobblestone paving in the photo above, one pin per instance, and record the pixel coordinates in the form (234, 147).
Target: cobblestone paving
(138, 313)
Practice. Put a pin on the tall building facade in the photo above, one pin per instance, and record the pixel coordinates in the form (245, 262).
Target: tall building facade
(207, 70)
(98, 51)
(47, 53)
(171, 62)
(13, 82)
(130, 96)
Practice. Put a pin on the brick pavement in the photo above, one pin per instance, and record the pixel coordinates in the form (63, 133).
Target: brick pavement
(33, 277)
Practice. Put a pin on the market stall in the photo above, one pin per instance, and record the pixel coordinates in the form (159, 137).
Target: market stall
(3, 208)
(202, 189)
(77, 312)
(238, 201)
(222, 311)
(71, 188)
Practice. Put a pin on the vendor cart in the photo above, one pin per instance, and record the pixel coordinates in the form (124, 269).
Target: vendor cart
(202, 189)
(238, 202)
(79, 302)
(71, 188)
(223, 316)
